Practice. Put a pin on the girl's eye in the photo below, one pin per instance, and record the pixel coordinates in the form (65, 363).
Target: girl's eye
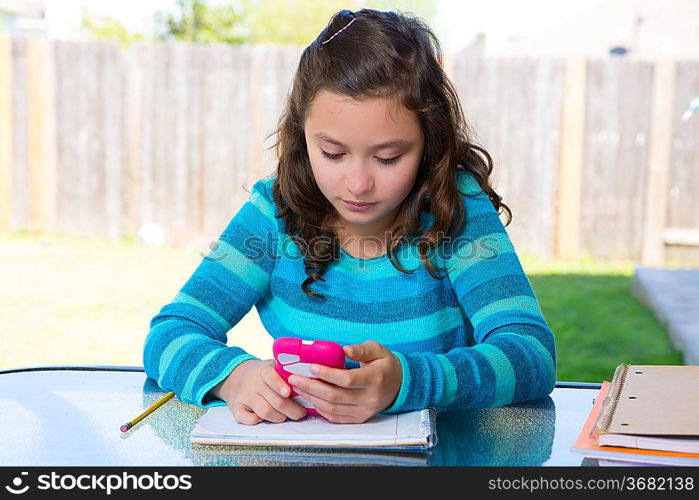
(330, 156)
(385, 161)
(388, 161)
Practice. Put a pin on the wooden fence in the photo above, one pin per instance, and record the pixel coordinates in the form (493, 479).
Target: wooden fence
(591, 155)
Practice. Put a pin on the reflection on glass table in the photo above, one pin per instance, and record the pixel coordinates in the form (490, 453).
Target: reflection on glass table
(71, 416)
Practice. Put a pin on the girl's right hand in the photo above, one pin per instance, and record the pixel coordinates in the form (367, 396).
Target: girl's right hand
(254, 392)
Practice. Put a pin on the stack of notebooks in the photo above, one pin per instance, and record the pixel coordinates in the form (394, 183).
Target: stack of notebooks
(647, 415)
(413, 431)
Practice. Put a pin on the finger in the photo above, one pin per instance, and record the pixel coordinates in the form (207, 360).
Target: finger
(338, 409)
(244, 415)
(286, 406)
(365, 352)
(338, 419)
(321, 389)
(275, 382)
(265, 411)
(344, 419)
(350, 379)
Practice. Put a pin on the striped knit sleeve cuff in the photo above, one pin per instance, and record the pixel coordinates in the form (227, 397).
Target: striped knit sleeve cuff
(404, 390)
(424, 384)
(429, 380)
(220, 365)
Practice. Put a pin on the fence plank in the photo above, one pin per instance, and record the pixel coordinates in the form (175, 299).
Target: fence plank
(567, 243)
(177, 164)
(199, 133)
(20, 183)
(258, 66)
(133, 155)
(242, 133)
(41, 139)
(683, 189)
(67, 186)
(89, 95)
(147, 194)
(6, 134)
(657, 173)
(113, 123)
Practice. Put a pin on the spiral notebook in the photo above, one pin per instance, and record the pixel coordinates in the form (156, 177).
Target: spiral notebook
(585, 445)
(652, 407)
(413, 430)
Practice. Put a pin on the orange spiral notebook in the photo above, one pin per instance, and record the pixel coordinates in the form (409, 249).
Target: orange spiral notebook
(587, 446)
(651, 406)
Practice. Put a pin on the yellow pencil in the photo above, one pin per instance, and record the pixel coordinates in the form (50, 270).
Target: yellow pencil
(147, 412)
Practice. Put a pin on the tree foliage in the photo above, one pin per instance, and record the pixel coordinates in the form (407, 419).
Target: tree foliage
(196, 21)
(102, 27)
(282, 22)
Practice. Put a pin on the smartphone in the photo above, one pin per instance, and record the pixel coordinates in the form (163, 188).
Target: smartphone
(293, 355)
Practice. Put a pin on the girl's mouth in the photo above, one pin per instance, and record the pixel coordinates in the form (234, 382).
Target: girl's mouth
(358, 207)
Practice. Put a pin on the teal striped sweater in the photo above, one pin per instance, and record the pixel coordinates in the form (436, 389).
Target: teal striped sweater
(474, 339)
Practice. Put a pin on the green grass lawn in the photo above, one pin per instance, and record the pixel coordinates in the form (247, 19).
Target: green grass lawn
(597, 321)
(69, 300)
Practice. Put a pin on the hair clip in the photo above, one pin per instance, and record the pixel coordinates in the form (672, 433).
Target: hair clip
(343, 29)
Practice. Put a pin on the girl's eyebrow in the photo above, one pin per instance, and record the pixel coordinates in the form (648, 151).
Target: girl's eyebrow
(392, 142)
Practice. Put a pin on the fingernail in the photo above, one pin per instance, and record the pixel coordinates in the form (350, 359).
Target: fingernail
(283, 391)
(293, 380)
(313, 368)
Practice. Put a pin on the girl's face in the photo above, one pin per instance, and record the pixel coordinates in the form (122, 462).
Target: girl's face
(352, 162)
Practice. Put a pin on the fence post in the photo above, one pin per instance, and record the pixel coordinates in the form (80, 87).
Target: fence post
(5, 133)
(567, 240)
(257, 65)
(658, 169)
(40, 136)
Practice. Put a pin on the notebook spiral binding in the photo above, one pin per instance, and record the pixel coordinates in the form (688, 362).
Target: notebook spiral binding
(428, 423)
(610, 402)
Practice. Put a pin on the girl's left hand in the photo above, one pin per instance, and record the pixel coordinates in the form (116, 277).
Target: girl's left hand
(353, 396)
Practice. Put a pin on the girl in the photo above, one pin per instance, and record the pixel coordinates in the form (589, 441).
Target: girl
(380, 231)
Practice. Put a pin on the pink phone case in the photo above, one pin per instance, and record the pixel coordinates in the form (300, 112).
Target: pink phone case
(292, 355)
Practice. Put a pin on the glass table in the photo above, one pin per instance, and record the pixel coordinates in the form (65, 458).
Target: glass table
(70, 415)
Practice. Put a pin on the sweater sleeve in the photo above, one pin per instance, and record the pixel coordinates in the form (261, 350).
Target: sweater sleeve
(185, 350)
(513, 357)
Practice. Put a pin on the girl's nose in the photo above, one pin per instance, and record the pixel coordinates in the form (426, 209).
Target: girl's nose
(359, 180)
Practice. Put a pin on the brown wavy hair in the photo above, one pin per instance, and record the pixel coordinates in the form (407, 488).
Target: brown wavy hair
(382, 54)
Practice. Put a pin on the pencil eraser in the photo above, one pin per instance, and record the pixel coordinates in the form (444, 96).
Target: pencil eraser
(124, 428)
